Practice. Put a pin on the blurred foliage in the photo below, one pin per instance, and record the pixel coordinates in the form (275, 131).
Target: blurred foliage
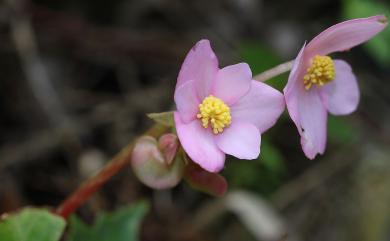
(262, 175)
(378, 47)
(121, 225)
(260, 58)
(32, 224)
(340, 131)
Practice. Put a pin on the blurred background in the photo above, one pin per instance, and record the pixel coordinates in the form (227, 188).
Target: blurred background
(77, 77)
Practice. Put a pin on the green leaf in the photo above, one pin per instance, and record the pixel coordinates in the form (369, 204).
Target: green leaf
(121, 225)
(32, 224)
(379, 46)
(164, 118)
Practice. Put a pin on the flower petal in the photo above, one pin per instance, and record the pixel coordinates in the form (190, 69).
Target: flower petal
(187, 101)
(345, 35)
(201, 66)
(306, 109)
(241, 140)
(199, 144)
(312, 123)
(294, 85)
(262, 106)
(341, 96)
(232, 82)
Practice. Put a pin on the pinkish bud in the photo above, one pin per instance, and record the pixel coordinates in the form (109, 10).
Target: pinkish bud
(168, 144)
(157, 167)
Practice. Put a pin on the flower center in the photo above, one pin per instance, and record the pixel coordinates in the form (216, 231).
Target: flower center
(320, 72)
(215, 112)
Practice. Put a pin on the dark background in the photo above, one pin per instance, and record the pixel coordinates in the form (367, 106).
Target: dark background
(77, 77)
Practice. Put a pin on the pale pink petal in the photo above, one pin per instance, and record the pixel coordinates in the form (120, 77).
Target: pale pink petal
(199, 144)
(345, 35)
(306, 109)
(201, 66)
(295, 85)
(312, 122)
(232, 83)
(341, 96)
(241, 140)
(187, 101)
(262, 106)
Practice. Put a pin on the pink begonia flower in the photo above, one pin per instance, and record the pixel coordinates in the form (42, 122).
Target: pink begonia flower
(318, 85)
(221, 111)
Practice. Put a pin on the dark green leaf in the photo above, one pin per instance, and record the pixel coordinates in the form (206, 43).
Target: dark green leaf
(121, 225)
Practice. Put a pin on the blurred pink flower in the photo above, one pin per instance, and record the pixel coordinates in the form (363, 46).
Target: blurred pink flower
(317, 84)
(221, 111)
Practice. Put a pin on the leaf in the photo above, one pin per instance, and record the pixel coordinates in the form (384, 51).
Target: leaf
(121, 225)
(164, 118)
(32, 224)
(379, 46)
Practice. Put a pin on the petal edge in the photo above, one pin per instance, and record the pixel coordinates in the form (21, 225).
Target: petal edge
(346, 35)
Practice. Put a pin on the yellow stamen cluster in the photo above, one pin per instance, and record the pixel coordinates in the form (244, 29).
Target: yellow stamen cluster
(320, 72)
(214, 111)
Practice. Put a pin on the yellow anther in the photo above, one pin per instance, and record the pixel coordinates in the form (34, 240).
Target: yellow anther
(320, 72)
(215, 112)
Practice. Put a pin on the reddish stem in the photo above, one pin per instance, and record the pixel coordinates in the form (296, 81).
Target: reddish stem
(82, 194)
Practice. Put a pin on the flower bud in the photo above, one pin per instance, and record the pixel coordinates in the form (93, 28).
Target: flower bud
(156, 164)
(168, 144)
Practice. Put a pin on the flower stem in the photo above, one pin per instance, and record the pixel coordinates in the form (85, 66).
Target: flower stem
(275, 71)
(122, 159)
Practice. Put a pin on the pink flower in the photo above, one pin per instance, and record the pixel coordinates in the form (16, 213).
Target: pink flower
(221, 111)
(317, 84)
